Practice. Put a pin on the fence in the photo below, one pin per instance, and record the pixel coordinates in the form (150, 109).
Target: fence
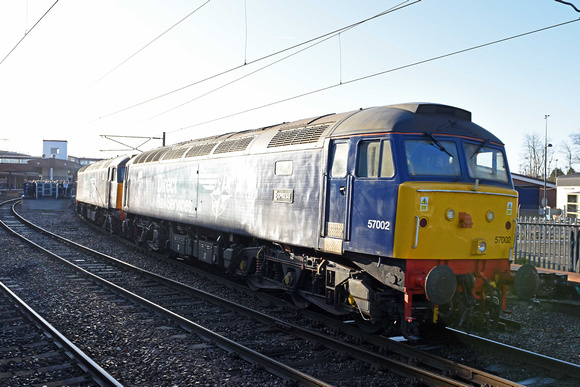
(548, 243)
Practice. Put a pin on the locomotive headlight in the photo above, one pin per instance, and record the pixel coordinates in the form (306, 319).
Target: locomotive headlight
(479, 246)
(490, 215)
(450, 214)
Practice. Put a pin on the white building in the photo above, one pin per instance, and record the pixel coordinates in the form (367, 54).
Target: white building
(568, 194)
(54, 149)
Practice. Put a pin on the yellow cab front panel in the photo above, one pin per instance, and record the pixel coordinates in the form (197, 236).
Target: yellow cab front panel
(450, 221)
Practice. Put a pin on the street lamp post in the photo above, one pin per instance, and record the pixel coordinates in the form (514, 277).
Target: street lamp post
(546, 145)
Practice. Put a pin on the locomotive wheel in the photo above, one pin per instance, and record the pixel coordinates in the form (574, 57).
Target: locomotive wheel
(299, 301)
(252, 287)
(367, 325)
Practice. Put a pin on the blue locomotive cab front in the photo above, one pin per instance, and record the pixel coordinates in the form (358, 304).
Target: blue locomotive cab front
(426, 206)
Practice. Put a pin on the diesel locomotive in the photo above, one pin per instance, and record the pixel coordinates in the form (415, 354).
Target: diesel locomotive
(395, 215)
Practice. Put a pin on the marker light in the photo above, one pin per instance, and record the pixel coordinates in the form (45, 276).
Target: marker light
(490, 215)
(450, 214)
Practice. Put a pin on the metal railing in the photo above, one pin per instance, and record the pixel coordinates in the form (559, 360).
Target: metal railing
(548, 243)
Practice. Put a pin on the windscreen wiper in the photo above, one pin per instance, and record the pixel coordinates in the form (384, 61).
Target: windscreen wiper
(437, 144)
(483, 145)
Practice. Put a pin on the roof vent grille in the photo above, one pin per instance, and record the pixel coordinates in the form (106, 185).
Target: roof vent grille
(306, 135)
(201, 149)
(141, 158)
(155, 156)
(175, 153)
(236, 145)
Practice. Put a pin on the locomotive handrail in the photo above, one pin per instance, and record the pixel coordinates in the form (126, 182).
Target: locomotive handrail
(349, 183)
(467, 192)
(416, 232)
(514, 249)
(323, 205)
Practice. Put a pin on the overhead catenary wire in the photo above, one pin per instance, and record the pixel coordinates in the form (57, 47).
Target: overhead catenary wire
(232, 82)
(148, 44)
(397, 7)
(570, 4)
(28, 32)
(326, 38)
(378, 74)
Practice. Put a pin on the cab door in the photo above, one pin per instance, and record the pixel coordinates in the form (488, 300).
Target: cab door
(338, 191)
(374, 198)
(106, 184)
(112, 188)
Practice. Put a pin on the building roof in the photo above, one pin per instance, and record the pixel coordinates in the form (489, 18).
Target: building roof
(527, 180)
(572, 179)
(4, 153)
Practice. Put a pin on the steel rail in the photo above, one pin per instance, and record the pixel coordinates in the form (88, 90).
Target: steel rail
(545, 362)
(244, 352)
(400, 368)
(96, 371)
(462, 372)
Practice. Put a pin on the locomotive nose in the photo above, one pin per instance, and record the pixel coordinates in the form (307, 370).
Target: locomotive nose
(440, 285)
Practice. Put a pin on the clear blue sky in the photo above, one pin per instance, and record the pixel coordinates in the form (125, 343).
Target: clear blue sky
(52, 85)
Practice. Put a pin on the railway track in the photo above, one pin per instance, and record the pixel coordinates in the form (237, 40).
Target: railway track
(269, 337)
(381, 344)
(547, 370)
(33, 352)
(556, 366)
(544, 366)
(184, 304)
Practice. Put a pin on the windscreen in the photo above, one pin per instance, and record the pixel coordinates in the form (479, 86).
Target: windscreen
(486, 163)
(434, 158)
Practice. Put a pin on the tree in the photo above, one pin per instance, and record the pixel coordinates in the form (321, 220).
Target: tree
(568, 151)
(572, 151)
(533, 156)
(555, 173)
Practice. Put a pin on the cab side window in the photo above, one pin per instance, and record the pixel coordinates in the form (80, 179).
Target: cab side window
(120, 174)
(375, 159)
(339, 159)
